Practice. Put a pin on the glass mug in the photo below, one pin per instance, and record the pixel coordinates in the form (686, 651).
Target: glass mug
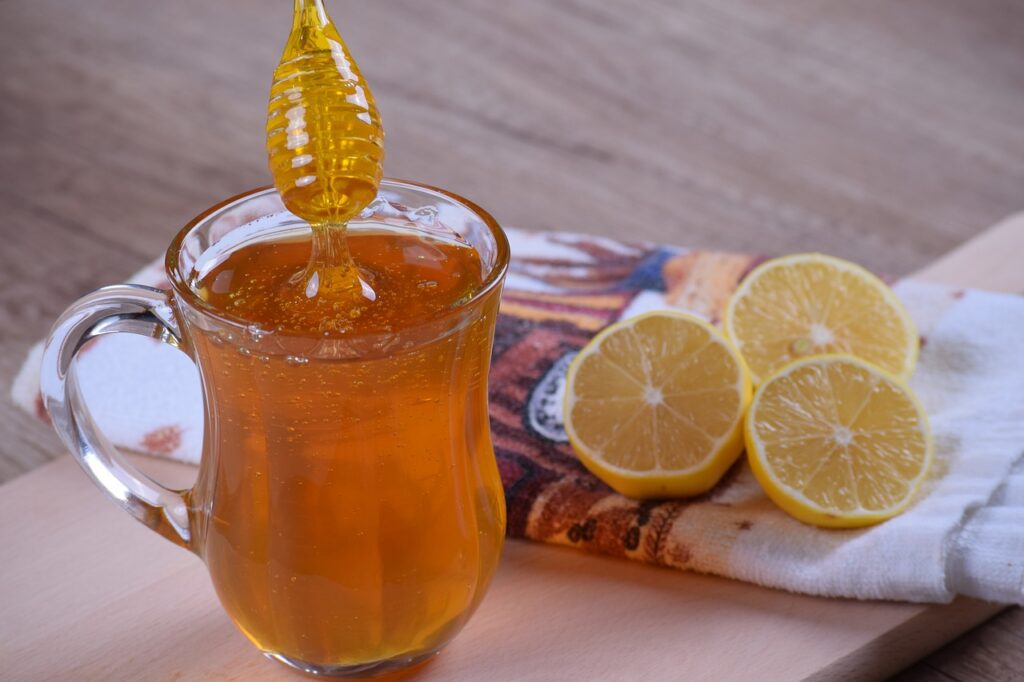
(348, 504)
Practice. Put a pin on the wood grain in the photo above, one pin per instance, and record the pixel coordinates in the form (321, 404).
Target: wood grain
(138, 607)
(993, 256)
(886, 132)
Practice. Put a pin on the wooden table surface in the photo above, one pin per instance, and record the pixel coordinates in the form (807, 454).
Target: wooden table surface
(886, 132)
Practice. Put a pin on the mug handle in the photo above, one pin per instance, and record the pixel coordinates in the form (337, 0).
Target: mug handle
(119, 308)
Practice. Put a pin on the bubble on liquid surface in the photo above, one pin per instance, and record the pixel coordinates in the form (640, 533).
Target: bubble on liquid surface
(257, 333)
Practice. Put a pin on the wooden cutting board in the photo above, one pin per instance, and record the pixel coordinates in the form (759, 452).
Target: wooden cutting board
(86, 593)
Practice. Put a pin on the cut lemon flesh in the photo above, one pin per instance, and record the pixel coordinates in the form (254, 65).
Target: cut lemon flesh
(809, 304)
(654, 405)
(837, 442)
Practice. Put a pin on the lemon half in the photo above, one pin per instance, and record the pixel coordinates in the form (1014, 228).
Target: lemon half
(809, 304)
(654, 405)
(837, 442)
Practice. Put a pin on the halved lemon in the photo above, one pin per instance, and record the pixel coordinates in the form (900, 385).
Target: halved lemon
(654, 405)
(809, 304)
(837, 442)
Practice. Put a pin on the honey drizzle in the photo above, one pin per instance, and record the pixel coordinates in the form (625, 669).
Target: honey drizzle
(324, 146)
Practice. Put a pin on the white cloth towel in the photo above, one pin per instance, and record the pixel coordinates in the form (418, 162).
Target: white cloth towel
(963, 535)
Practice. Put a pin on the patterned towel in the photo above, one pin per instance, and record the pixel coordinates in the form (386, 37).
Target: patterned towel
(965, 533)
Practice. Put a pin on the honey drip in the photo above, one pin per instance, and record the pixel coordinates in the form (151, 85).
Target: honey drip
(325, 146)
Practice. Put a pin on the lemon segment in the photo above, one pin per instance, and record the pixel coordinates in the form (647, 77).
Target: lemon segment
(654, 405)
(837, 442)
(810, 304)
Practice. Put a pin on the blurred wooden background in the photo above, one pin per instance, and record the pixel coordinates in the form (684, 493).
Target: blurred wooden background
(882, 131)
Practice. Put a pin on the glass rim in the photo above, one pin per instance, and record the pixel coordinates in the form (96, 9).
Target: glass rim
(182, 289)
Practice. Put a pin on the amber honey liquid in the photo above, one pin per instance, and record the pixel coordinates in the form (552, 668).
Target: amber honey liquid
(354, 511)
